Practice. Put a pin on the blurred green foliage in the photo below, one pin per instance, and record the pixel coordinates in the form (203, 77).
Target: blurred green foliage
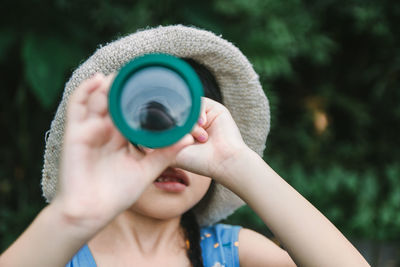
(330, 69)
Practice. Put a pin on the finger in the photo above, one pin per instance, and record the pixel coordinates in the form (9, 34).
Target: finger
(98, 99)
(141, 149)
(76, 109)
(203, 117)
(147, 150)
(97, 104)
(117, 141)
(157, 161)
(208, 104)
(199, 134)
(134, 151)
(138, 149)
(81, 94)
(108, 80)
(213, 109)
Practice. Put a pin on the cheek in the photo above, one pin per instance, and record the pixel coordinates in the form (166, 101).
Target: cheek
(199, 186)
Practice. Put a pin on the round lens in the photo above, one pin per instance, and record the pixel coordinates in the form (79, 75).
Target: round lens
(155, 98)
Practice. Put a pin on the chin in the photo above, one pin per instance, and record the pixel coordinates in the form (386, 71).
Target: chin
(160, 212)
(162, 208)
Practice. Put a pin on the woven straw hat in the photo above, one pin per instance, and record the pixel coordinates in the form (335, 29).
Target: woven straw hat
(239, 84)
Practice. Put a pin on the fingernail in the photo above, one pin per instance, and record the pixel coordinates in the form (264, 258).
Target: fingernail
(202, 138)
(200, 121)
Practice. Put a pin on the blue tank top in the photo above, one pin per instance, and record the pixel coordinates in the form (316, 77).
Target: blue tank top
(219, 244)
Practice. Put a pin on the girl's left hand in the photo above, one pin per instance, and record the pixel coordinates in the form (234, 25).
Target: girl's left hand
(219, 142)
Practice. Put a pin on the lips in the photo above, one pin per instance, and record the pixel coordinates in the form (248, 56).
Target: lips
(172, 180)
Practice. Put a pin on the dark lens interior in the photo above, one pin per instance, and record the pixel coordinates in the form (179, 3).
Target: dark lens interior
(156, 117)
(155, 99)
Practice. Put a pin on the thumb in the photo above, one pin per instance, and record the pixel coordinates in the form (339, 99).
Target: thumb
(156, 161)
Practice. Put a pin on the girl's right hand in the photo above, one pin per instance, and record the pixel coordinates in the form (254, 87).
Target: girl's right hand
(101, 174)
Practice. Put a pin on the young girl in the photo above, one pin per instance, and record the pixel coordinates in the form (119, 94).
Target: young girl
(112, 204)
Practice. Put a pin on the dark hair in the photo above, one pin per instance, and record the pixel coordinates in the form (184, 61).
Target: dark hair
(188, 221)
(192, 233)
(210, 85)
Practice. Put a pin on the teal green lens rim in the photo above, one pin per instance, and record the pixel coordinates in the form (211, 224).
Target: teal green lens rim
(149, 138)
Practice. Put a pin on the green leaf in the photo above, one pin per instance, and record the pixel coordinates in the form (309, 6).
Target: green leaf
(46, 61)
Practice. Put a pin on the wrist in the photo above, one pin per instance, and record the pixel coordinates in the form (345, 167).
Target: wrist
(83, 222)
(233, 169)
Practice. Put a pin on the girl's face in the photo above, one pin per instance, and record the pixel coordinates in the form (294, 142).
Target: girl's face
(172, 194)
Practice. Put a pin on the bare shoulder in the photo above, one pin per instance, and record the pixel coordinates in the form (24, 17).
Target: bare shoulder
(257, 250)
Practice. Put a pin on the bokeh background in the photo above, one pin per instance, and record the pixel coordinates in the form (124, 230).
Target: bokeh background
(330, 68)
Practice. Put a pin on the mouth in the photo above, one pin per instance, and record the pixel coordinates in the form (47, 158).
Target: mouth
(173, 180)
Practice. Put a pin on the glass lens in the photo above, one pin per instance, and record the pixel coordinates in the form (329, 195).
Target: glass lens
(155, 99)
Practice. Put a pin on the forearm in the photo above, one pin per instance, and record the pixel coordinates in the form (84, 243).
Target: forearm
(310, 238)
(51, 240)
